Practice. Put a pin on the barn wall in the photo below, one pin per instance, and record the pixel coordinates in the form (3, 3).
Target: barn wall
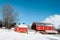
(33, 26)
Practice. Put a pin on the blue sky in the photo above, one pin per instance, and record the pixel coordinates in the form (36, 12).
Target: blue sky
(33, 10)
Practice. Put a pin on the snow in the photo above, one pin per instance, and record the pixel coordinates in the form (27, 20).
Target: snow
(22, 25)
(6, 34)
(52, 37)
(51, 31)
(49, 25)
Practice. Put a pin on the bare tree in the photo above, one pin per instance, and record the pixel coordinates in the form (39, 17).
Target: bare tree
(9, 16)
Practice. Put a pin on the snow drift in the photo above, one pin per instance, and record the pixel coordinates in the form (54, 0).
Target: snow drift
(12, 35)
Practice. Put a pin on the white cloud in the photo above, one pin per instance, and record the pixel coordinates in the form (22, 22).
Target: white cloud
(55, 20)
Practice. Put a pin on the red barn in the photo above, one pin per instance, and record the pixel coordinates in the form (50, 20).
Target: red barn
(21, 28)
(42, 26)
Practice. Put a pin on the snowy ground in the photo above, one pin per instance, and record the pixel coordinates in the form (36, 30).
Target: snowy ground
(11, 35)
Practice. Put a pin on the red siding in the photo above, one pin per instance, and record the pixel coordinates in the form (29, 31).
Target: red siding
(44, 28)
(21, 29)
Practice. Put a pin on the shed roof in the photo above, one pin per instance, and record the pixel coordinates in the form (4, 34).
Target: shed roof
(41, 23)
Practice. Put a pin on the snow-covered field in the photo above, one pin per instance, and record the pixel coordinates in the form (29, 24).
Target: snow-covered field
(12, 35)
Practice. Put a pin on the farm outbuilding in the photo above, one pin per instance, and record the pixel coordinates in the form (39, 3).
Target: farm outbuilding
(21, 28)
(42, 26)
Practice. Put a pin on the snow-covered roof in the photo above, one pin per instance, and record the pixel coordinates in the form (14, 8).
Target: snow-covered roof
(41, 23)
(23, 25)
